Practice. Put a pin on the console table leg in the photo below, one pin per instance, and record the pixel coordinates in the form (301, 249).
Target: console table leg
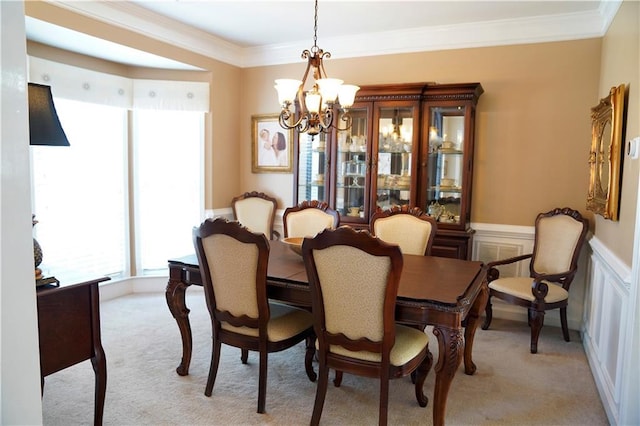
(175, 294)
(450, 355)
(99, 364)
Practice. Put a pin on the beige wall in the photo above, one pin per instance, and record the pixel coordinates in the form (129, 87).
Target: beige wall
(533, 121)
(620, 64)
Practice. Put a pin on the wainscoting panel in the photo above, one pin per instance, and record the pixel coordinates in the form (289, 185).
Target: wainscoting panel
(606, 325)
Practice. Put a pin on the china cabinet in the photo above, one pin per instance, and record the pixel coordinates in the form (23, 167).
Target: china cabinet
(408, 144)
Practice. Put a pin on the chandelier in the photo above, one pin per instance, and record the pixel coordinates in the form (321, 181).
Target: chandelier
(315, 105)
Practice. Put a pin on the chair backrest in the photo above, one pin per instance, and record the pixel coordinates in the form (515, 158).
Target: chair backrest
(559, 236)
(308, 218)
(409, 227)
(256, 211)
(354, 280)
(233, 265)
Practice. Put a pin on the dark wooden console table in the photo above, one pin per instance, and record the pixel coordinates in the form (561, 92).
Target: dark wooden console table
(69, 333)
(449, 294)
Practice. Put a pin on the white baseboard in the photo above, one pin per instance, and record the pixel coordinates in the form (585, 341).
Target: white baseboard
(152, 284)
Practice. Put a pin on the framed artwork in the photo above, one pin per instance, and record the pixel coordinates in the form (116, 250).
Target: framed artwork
(271, 145)
(605, 156)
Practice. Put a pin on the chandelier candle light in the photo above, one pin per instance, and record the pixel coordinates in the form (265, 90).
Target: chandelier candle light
(316, 105)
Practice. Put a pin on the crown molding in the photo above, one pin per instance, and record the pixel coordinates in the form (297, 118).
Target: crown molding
(565, 27)
(150, 24)
(542, 29)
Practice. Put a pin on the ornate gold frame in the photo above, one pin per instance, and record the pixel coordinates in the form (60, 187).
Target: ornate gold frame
(605, 157)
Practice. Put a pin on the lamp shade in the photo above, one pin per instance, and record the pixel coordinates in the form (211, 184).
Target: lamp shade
(44, 125)
(287, 89)
(329, 88)
(312, 101)
(347, 94)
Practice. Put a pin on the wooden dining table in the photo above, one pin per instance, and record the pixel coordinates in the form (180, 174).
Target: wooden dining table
(448, 294)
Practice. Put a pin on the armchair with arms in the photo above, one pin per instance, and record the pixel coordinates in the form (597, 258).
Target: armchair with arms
(559, 236)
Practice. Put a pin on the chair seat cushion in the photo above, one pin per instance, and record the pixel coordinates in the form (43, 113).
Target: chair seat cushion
(521, 287)
(409, 343)
(285, 322)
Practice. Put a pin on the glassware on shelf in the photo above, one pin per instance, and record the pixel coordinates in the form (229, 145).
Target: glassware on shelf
(354, 166)
(435, 210)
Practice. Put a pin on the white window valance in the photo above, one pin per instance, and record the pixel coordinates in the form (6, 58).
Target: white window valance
(75, 83)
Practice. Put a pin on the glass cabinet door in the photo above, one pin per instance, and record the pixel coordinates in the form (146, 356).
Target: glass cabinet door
(352, 168)
(395, 145)
(313, 175)
(446, 177)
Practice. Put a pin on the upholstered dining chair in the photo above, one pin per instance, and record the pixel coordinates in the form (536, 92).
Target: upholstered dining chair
(354, 280)
(559, 236)
(409, 227)
(233, 265)
(308, 218)
(256, 211)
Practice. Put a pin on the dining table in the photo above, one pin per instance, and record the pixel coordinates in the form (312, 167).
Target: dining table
(445, 293)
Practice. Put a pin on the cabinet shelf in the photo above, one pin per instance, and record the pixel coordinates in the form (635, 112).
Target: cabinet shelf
(456, 189)
(385, 151)
(394, 188)
(446, 152)
(350, 186)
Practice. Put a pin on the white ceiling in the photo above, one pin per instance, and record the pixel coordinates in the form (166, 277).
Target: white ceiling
(254, 33)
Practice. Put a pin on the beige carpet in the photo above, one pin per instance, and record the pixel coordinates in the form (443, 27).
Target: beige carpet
(143, 348)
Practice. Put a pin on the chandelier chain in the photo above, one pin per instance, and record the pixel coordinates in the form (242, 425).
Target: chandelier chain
(315, 29)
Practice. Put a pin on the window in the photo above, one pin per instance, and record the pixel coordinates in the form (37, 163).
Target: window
(81, 196)
(168, 147)
(79, 193)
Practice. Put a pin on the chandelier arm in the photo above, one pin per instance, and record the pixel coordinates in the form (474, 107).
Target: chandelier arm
(346, 117)
(323, 55)
(325, 119)
(284, 117)
(304, 122)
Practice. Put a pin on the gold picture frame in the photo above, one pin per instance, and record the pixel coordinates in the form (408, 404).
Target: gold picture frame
(271, 145)
(605, 157)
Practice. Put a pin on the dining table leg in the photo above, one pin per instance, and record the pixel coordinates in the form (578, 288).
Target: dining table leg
(450, 344)
(472, 321)
(175, 294)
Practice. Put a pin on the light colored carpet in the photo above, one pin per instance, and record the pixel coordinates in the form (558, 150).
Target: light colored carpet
(143, 348)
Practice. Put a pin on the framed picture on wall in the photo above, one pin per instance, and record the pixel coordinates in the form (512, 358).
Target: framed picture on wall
(271, 145)
(605, 157)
